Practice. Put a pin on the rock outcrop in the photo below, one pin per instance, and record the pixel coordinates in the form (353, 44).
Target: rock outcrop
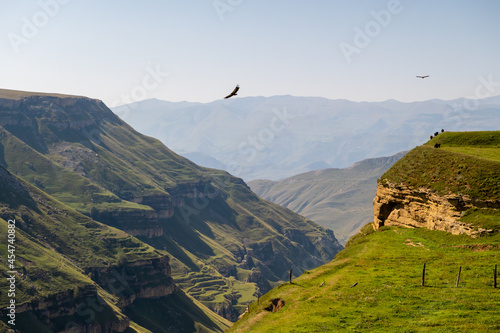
(276, 305)
(422, 208)
(76, 310)
(72, 311)
(139, 279)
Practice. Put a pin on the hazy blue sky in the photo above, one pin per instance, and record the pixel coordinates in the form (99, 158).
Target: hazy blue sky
(120, 50)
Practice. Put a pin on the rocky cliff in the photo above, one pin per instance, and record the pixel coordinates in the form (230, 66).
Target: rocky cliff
(422, 208)
(83, 310)
(451, 183)
(135, 280)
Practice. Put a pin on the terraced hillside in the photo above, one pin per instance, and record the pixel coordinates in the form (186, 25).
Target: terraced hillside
(76, 273)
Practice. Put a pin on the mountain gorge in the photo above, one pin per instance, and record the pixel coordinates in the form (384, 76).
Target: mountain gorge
(203, 230)
(339, 199)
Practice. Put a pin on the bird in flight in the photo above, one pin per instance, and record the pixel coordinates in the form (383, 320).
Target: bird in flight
(234, 92)
(422, 76)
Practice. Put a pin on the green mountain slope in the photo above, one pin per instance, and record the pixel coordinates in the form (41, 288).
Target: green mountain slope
(339, 199)
(467, 163)
(226, 245)
(376, 283)
(75, 272)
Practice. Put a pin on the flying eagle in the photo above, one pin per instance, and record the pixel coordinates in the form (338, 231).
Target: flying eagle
(422, 76)
(234, 92)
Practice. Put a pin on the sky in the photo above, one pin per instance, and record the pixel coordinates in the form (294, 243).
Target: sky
(123, 51)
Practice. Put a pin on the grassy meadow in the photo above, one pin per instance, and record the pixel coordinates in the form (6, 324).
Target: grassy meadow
(387, 267)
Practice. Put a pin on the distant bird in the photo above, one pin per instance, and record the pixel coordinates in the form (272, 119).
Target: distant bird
(234, 92)
(422, 76)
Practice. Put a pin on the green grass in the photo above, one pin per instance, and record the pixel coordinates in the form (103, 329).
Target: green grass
(468, 163)
(387, 265)
(487, 218)
(480, 139)
(481, 153)
(44, 271)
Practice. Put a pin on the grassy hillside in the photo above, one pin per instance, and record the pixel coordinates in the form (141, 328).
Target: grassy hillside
(339, 199)
(387, 267)
(57, 251)
(375, 283)
(467, 163)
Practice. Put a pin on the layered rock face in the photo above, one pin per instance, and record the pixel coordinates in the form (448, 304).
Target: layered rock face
(71, 312)
(139, 279)
(422, 208)
(85, 311)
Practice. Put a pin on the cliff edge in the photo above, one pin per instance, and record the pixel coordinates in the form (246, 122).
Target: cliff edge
(451, 183)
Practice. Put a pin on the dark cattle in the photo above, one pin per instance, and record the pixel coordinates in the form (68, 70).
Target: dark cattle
(436, 134)
(437, 145)
(442, 130)
(431, 137)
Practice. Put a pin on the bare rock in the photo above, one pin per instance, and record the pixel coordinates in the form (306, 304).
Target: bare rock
(410, 207)
(276, 305)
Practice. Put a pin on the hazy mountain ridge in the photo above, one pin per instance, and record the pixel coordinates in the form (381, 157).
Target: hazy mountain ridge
(339, 199)
(281, 136)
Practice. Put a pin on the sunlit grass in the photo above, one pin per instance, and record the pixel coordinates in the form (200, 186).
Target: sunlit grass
(472, 169)
(492, 154)
(387, 265)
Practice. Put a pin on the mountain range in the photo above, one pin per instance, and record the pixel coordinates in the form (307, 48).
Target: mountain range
(281, 136)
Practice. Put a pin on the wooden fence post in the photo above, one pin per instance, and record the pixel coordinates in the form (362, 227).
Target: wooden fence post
(458, 277)
(423, 276)
(290, 276)
(495, 277)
